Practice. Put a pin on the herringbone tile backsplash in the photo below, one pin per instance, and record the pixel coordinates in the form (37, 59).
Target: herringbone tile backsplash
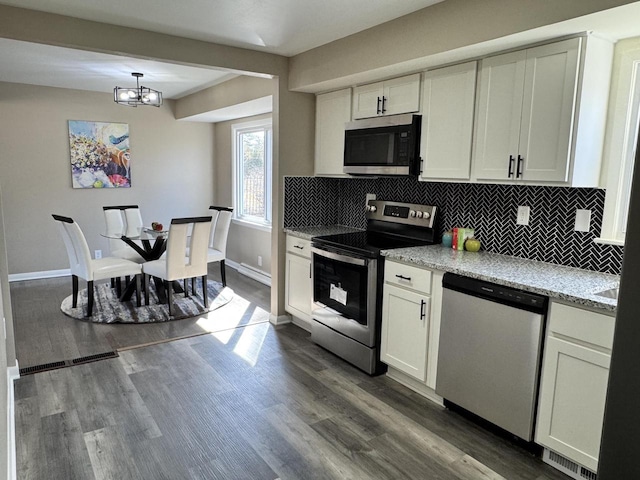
(490, 209)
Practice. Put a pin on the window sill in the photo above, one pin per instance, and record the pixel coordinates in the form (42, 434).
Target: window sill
(609, 241)
(257, 226)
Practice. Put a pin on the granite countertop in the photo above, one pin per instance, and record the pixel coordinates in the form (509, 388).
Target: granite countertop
(309, 232)
(555, 281)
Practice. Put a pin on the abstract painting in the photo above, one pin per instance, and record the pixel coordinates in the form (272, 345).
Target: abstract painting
(100, 156)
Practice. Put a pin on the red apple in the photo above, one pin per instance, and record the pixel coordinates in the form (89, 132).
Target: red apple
(157, 227)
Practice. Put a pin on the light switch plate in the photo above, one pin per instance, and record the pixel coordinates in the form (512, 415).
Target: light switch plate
(523, 215)
(583, 220)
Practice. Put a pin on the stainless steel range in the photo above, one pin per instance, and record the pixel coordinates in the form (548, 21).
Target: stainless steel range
(348, 277)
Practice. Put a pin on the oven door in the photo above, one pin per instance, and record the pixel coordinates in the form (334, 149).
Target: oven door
(344, 293)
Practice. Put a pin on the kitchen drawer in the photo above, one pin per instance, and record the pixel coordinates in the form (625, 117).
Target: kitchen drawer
(407, 276)
(583, 325)
(299, 246)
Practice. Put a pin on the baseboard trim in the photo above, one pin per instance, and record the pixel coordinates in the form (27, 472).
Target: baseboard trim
(13, 373)
(301, 322)
(251, 272)
(19, 277)
(279, 319)
(415, 385)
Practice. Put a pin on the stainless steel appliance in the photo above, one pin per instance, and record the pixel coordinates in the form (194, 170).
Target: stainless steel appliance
(348, 276)
(383, 146)
(490, 351)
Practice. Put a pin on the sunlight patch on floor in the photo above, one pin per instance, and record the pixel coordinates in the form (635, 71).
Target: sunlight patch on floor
(223, 321)
(250, 342)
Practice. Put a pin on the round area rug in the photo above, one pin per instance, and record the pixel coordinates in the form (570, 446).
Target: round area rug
(108, 309)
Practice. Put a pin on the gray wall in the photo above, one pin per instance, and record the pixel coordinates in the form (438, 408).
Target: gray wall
(5, 360)
(245, 243)
(171, 169)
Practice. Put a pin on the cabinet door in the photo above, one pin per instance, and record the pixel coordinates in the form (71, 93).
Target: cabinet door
(401, 95)
(333, 110)
(499, 114)
(447, 122)
(298, 289)
(548, 110)
(405, 330)
(367, 100)
(573, 392)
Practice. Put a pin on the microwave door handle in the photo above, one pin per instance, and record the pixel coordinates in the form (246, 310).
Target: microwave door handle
(338, 257)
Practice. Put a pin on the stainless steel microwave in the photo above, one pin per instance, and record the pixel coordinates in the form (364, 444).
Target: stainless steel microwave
(383, 146)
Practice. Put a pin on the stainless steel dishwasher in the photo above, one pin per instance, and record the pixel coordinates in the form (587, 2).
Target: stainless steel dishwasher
(490, 351)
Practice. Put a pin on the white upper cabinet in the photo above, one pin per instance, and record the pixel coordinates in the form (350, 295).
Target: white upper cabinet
(447, 122)
(333, 110)
(541, 113)
(391, 97)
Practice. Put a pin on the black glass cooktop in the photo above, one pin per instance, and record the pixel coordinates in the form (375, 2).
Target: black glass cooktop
(368, 243)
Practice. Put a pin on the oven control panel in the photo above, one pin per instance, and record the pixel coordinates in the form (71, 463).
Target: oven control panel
(407, 213)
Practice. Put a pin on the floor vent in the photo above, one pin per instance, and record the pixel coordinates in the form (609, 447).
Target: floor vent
(567, 466)
(94, 358)
(67, 363)
(42, 368)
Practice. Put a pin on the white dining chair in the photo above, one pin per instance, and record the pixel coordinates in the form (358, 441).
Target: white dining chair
(189, 235)
(114, 217)
(134, 220)
(82, 265)
(217, 251)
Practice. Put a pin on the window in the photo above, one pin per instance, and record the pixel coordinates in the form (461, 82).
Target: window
(623, 135)
(252, 172)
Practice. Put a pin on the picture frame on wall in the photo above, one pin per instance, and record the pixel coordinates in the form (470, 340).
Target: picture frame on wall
(100, 154)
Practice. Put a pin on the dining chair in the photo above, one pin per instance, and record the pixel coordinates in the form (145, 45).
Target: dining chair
(218, 241)
(134, 220)
(190, 235)
(83, 266)
(114, 217)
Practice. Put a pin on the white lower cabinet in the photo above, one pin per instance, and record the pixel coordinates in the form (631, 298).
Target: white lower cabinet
(410, 318)
(405, 330)
(573, 385)
(298, 286)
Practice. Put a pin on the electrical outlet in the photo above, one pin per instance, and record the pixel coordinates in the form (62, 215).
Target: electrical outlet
(583, 220)
(369, 196)
(523, 215)
(259, 260)
(97, 254)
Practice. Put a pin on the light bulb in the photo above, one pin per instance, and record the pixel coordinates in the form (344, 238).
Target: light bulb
(132, 94)
(153, 96)
(124, 95)
(145, 98)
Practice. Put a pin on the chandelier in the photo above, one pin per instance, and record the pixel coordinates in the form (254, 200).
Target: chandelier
(137, 96)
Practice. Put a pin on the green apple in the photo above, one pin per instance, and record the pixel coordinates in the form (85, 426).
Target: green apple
(472, 244)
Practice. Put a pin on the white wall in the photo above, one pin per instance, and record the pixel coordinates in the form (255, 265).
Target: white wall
(171, 169)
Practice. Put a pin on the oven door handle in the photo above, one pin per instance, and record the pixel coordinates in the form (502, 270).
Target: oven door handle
(339, 257)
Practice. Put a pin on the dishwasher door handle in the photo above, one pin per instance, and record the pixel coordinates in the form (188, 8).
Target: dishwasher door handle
(423, 314)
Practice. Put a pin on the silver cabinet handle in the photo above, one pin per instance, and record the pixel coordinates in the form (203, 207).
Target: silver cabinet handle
(423, 314)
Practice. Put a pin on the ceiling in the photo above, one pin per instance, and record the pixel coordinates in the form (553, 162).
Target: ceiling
(284, 27)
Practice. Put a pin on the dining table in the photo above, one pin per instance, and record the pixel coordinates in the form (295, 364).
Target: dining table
(150, 244)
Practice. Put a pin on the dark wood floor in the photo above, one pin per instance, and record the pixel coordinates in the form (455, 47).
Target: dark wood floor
(44, 334)
(255, 402)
